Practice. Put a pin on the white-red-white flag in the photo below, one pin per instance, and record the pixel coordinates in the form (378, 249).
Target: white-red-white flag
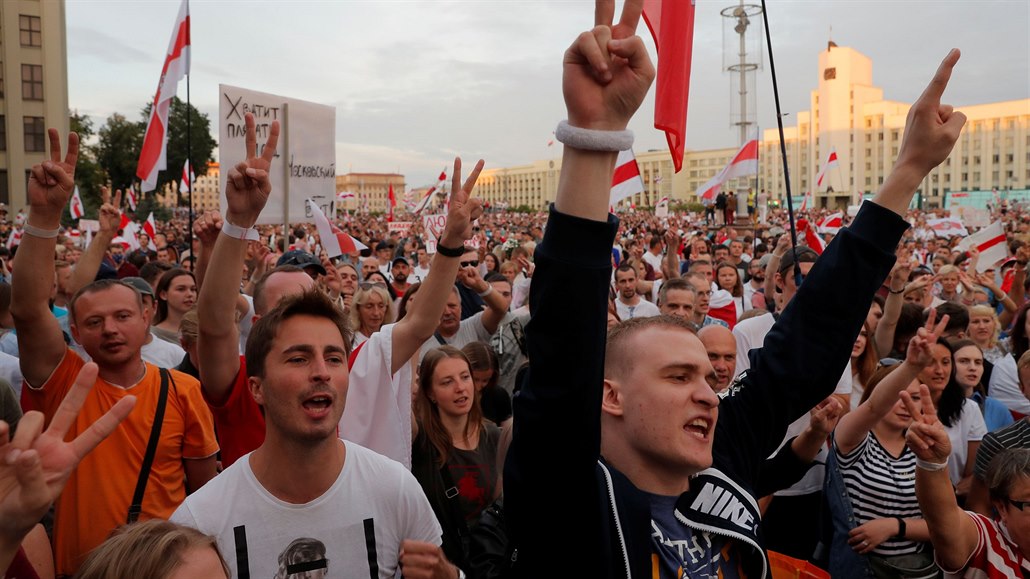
(947, 227)
(334, 241)
(811, 237)
(187, 177)
(153, 155)
(130, 196)
(990, 242)
(831, 223)
(150, 226)
(344, 195)
(14, 238)
(744, 163)
(804, 201)
(831, 163)
(626, 181)
(424, 202)
(662, 208)
(77, 209)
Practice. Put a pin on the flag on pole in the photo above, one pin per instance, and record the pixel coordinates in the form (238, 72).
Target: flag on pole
(344, 195)
(153, 155)
(626, 181)
(187, 177)
(150, 226)
(424, 202)
(14, 238)
(812, 239)
(77, 209)
(672, 25)
(130, 196)
(831, 223)
(392, 203)
(744, 163)
(334, 241)
(662, 208)
(990, 242)
(831, 163)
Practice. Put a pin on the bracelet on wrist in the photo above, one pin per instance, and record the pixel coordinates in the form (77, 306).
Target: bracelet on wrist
(895, 292)
(450, 251)
(931, 466)
(902, 528)
(592, 139)
(236, 232)
(489, 290)
(40, 232)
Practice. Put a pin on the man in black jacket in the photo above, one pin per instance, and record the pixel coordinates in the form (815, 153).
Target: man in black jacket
(623, 467)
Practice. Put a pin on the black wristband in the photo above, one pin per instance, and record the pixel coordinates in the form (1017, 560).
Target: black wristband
(892, 292)
(450, 251)
(901, 528)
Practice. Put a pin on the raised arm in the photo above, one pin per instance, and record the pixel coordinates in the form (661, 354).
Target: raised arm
(423, 316)
(884, 336)
(205, 229)
(854, 427)
(85, 270)
(246, 192)
(952, 532)
(39, 336)
(496, 304)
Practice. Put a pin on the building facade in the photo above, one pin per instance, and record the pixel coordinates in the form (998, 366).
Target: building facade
(33, 89)
(371, 190)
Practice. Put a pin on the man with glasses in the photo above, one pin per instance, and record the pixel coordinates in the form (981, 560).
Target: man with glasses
(702, 302)
(471, 303)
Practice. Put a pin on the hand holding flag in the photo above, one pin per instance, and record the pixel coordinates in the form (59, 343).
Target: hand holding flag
(247, 187)
(52, 182)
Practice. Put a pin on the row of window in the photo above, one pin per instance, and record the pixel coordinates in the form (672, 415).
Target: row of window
(34, 131)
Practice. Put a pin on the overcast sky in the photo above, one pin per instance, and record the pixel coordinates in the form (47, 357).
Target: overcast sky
(415, 82)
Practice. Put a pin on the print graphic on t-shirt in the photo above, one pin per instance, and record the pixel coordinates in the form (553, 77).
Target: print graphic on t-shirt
(473, 482)
(305, 557)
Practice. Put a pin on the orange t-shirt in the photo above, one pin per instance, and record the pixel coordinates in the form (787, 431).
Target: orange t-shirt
(97, 497)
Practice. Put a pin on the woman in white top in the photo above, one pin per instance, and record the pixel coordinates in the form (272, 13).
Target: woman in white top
(371, 309)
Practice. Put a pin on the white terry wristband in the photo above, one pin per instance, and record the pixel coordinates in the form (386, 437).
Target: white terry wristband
(237, 232)
(40, 232)
(931, 466)
(593, 140)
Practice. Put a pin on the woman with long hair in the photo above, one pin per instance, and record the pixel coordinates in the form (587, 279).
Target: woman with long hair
(493, 265)
(494, 400)
(960, 416)
(969, 371)
(176, 292)
(727, 276)
(871, 473)
(452, 443)
(864, 360)
(370, 310)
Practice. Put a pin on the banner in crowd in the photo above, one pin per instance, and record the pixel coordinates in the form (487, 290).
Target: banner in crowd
(971, 216)
(662, 208)
(400, 227)
(432, 227)
(947, 227)
(304, 166)
(990, 242)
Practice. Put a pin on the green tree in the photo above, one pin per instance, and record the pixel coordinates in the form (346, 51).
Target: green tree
(201, 145)
(118, 149)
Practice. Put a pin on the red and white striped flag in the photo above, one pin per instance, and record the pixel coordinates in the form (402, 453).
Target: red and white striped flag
(424, 202)
(392, 202)
(831, 163)
(14, 238)
(744, 163)
(947, 227)
(77, 209)
(150, 226)
(662, 208)
(344, 195)
(153, 155)
(626, 181)
(990, 242)
(334, 241)
(811, 237)
(672, 26)
(130, 196)
(187, 177)
(831, 223)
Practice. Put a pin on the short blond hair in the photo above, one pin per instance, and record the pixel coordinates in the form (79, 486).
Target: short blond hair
(151, 549)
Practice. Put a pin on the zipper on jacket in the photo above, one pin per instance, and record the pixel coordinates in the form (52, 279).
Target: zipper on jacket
(733, 536)
(615, 512)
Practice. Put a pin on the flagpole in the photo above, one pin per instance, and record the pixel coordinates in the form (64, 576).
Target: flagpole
(189, 165)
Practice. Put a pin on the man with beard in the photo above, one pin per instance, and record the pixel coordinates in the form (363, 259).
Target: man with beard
(629, 304)
(399, 270)
(756, 269)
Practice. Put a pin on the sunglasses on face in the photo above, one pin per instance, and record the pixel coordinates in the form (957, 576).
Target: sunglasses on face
(1021, 505)
(473, 263)
(367, 285)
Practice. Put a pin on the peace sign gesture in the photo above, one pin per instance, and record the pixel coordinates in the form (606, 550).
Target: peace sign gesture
(932, 128)
(247, 187)
(920, 347)
(464, 209)
(52, 182)
(926, 436)
(35, 466)
(607, 70)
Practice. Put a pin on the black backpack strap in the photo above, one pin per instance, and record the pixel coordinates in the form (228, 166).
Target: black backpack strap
(148, 459)
(439, 338)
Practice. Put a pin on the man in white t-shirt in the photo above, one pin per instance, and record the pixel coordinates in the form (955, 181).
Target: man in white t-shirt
(653, 255)
(630, 304)
(421, 269)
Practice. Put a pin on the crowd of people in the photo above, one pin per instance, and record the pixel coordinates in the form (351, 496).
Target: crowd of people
(235, 402)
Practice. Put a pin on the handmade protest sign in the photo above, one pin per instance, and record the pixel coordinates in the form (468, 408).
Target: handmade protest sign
(305, 162)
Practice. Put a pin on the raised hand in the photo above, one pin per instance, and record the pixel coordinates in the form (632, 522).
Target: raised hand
(35, 466)
(52, 182)
(247, 187)
(932, 128)
(920, 347)
(926, 436)
(470, 278)
(899, 275)
(110, 214)
(823, 418)
(206, 228)
(607, 70)
(464, 208)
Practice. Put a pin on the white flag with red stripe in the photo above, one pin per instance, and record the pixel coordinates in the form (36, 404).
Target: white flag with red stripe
(831, 223)
(990, 242)
(187, 177)
(662, 208)
(150, 226)
(626, 181)
(424, 202)
(130, 196)
(153, 155)
(947, 227)
(812, 239)
(744, 163)
(77, 209)
(334, 241)
(831, 163)
(14, 238)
